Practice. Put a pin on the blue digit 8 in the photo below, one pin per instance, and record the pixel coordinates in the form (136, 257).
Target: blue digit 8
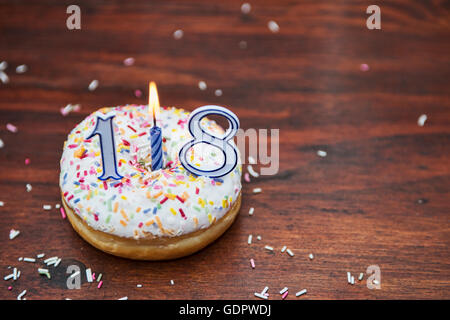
(201, 136)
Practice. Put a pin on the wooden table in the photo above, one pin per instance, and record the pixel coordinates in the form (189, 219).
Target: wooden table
(381, 196)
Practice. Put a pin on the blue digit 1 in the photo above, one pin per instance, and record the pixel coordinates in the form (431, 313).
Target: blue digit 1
(104, 129)
(201, 136)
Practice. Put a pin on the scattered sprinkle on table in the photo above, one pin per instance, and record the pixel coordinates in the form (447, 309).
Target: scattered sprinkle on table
(57, 206)
(123, 298)
(246, 177)
(257, 190)
(321, 153)
(252, 263)
(50, 260)
(28, 187)
(289, 252)
(311, 256)
(27, 161)
(20, 296)
(47, 207)
(40, 255)
(139, 285)
(178, 34)
(283, 249)
(349, 277)
(73, 275)
(283, 290)
(285, 295)
(246, 7)
(63, 213)
(218, 92)
(421, 120)
(172, 282)
(300, 293)
(69, 108)
(249, 240)
(100, 284)
(202, 85)
(3, 65)
(57, 262)
(93, 85)
(364, 67)
(361, 276)
(128, 61)
(252, 172)
(250, 212)
(22, 68)
(12, 128)
(243, 44)
(258, 237)
(262, 296)
(273, 26)
(2, 144)
(44, 272)
(13, 234)
(268, 248)
(33, 260)
(265, 290)
(4, 77)
(99, 277)
(89, 275)
(9, 276)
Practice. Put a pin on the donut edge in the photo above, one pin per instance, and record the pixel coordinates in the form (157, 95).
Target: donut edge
(155, 249)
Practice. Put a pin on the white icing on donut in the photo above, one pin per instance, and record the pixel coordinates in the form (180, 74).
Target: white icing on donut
(166, 203)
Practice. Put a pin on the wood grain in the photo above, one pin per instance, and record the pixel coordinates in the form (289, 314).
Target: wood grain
(380, 197)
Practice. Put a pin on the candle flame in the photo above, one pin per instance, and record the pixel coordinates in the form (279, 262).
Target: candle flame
(153, 101)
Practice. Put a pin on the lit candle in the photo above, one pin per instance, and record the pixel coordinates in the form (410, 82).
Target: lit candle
(155, 131)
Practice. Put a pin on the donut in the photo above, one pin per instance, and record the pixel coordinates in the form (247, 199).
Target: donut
(146, 215)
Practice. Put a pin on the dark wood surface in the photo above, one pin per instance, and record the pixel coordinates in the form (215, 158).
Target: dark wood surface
(380, 197)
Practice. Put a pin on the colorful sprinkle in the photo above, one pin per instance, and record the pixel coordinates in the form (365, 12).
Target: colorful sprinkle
(12, 128)
(13, 234)
(364, 67)
(129, 61)
(257, 190)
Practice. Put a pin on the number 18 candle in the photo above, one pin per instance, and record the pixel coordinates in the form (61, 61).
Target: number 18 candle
(104, 128)
(155, 131)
